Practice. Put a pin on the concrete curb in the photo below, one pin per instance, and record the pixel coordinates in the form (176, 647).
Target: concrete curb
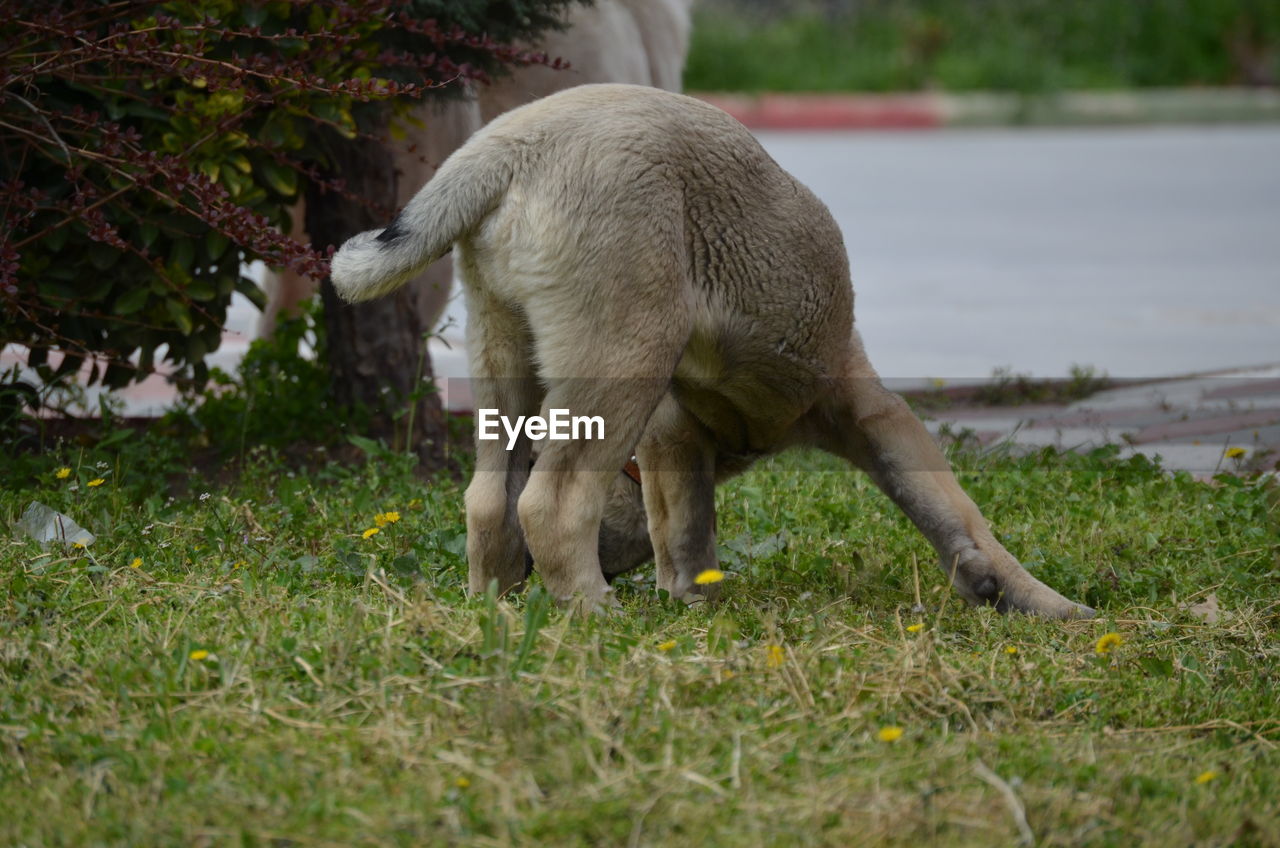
(979, 109)
(1204, 424)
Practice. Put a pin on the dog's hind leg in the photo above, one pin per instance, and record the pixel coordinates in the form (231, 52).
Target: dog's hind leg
(677, 464)
(630, 371)
(876, 430)
(564, 500)
(502, 379)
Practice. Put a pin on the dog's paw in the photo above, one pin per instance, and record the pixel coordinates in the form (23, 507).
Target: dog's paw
(591, 603)
(999, 580)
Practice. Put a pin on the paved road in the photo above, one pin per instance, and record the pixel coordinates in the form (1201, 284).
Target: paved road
(1145, 252)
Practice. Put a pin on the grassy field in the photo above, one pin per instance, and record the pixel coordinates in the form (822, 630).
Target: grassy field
(244, 663)
(963, 45)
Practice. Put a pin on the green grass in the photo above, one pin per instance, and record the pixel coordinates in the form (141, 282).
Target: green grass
(353, 695)
(964, 45)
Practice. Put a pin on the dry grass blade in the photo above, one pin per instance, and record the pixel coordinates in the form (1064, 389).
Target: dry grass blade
(1011, 800)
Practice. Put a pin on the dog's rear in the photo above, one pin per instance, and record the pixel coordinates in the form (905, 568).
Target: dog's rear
(635, 255)
(612, 238)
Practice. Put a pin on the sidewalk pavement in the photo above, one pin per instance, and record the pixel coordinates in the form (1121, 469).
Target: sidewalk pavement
(1203, 424)
(934, 110)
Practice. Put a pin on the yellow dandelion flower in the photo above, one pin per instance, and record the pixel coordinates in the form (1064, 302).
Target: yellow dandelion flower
(136, 563)
(198, 655)
(62, 473)
(79, 546)
(238, 564)
(1235, 453)
(94, 483)
(773, 655)
(380, 519)
(1206, 776)
(462, 783)
(915, 628)
(391, 517)
(667, 645)
(711, 575)
(372, 531)
(1108, 643)
(1011, 650)
(889, 734)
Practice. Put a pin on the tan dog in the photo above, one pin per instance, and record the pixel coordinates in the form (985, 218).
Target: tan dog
(636, 255)
(631, 41)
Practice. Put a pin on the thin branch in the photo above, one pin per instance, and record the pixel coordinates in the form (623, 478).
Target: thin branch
(25, 102)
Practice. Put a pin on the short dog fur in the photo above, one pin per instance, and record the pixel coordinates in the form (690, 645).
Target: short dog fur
(635, 254)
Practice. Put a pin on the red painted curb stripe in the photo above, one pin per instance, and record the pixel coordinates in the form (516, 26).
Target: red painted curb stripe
(831, 112)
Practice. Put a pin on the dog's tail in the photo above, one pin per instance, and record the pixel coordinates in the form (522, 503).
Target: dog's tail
(467, 187)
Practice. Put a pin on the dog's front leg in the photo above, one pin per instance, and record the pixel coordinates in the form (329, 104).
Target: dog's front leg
(677, 470)
(876, 430)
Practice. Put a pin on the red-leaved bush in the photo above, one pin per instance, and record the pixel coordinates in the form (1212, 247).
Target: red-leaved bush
(148, 149)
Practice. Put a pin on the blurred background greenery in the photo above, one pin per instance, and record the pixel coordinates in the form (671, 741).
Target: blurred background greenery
(965, 45)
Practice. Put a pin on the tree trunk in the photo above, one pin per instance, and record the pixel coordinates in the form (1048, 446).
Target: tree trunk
(377, 350)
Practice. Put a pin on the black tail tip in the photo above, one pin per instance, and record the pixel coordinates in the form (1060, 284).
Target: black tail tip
(395, 230)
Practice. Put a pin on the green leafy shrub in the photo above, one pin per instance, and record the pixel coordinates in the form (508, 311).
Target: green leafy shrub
(278, 397)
